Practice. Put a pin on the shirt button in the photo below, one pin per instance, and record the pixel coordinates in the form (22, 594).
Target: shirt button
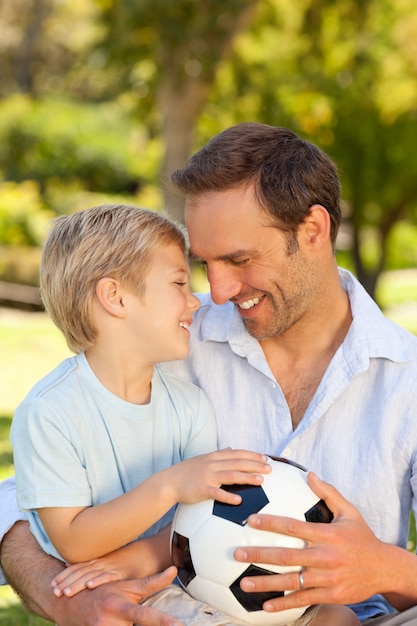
(286, 452)
(273, 384)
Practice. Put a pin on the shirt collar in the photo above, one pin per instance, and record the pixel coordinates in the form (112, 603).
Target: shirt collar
(371, 334)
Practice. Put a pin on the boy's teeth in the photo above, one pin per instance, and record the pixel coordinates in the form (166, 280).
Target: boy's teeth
(184, 325)
(249, 303)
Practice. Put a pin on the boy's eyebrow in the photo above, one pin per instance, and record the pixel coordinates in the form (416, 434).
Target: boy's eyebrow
(180, 270)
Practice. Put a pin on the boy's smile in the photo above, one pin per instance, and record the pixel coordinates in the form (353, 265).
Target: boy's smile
(164, 314)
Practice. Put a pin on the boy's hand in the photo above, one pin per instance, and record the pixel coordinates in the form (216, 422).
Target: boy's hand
(133, 561)
(201, 477)
(89, 575)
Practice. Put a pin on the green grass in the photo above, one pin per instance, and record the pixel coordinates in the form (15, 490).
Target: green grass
(12, 613)
(32, 346)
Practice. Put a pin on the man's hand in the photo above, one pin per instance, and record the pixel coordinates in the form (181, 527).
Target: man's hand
(30, 571)
(343, 562)
(116, 604)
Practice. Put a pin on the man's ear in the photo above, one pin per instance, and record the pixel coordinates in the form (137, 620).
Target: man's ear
(110, 295)
(316, 227)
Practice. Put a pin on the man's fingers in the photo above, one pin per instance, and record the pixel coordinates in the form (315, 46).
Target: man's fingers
(333, 498)
(144, 587)
(309, 532)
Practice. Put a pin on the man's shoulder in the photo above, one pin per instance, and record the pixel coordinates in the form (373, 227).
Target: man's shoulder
(372, 326)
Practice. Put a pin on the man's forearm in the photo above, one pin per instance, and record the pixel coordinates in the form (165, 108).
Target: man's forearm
(29, 570)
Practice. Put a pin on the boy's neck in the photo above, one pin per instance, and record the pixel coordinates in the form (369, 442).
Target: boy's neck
(125, 378)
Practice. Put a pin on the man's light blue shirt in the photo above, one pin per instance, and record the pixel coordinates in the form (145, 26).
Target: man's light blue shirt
(359, 431)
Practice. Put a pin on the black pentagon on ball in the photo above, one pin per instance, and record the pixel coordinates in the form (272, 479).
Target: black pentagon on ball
(253, 500)
(181, 558)
(253, 601)
(319, 513)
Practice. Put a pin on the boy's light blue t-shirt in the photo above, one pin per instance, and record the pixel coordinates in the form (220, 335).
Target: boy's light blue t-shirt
(77, 444)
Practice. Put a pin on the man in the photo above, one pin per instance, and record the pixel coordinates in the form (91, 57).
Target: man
(297, 361)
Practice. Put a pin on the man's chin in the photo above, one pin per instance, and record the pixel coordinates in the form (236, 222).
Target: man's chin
(255, 330)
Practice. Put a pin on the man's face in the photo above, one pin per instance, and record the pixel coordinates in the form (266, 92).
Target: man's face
(261, 269)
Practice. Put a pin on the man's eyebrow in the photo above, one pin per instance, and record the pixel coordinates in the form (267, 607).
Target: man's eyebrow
(231, 256)
(192, 256)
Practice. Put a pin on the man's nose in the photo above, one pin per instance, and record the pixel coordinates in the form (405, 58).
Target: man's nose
(224, 283)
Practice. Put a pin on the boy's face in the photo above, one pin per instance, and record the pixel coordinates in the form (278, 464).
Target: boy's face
(161, 318)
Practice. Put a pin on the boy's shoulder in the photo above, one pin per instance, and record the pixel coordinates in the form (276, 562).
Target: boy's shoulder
(54, 379)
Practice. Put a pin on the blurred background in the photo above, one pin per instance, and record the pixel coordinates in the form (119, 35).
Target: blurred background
(100, 100)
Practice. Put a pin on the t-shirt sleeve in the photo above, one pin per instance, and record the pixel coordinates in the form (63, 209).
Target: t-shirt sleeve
(9, 512)
(47, 465)
(203, 432)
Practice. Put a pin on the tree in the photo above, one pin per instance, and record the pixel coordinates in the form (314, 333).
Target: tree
(170, 51)
(343, 75)
(47, 47)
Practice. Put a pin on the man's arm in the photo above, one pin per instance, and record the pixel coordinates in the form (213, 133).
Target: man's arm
(30, 571)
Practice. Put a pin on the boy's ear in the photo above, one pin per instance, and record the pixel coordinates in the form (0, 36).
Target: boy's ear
(316, 226)
(110, 295)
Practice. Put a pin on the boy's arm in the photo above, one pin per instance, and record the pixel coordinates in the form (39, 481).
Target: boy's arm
(136, 560)
(81, 534)
(84, 533)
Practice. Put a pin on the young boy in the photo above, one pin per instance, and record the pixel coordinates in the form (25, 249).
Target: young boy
(106, 445)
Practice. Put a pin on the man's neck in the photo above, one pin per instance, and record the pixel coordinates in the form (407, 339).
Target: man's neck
(299, 357)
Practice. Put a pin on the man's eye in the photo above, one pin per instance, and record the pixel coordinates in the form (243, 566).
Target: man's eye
(240, 261)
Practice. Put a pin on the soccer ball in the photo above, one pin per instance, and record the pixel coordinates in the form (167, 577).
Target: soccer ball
(204, 536)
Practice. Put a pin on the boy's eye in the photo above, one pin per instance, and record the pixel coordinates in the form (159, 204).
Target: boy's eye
(180, 283)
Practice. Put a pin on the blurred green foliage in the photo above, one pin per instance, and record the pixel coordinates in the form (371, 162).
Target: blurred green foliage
(110, 106)
(57, 155)
(94, 145)
(23, 214)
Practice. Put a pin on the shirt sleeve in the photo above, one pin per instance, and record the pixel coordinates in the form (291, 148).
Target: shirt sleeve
(202, 432)
(47, 465)
(9, 513)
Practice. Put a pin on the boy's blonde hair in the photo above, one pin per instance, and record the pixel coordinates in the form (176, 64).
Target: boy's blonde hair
(113, 240)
